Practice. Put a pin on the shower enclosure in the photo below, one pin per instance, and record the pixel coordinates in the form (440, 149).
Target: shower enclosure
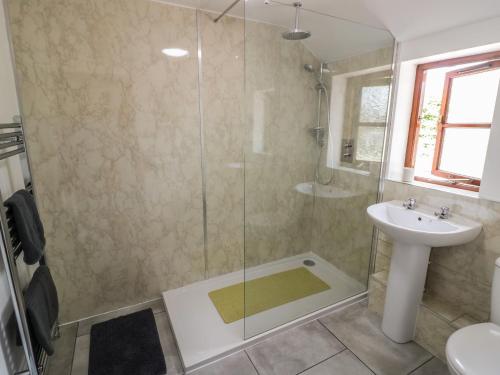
(316, 99)
(180, 153)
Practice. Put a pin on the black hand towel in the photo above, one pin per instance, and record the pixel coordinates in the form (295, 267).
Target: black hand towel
(28, 226)
(42, 307)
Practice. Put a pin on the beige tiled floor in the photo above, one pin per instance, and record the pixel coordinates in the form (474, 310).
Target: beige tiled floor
(295, 350)
(64, 346)
(347, 342)
(359, 330)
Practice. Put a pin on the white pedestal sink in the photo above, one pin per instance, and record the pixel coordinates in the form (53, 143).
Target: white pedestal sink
(414, 233)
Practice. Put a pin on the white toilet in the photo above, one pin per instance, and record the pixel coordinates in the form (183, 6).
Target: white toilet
(475, 350)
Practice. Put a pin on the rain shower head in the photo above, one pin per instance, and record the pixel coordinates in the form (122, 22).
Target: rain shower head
(296, 33)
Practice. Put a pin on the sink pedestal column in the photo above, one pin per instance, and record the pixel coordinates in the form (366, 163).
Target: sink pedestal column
(405, 287)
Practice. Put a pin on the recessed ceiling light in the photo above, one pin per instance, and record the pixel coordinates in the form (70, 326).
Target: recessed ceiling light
(175, 52)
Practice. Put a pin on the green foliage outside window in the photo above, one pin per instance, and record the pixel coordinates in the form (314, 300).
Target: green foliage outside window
(428, 128)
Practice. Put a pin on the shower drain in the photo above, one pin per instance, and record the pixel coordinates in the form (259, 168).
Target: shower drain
(309, 263)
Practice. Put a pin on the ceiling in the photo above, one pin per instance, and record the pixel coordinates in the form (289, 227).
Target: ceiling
(409, 19)
(333, 37)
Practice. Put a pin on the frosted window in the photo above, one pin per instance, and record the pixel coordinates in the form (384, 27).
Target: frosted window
(374, 101)
(473, 98)
(464, 151)
(370, 143)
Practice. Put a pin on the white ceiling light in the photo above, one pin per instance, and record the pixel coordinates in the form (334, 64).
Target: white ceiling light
(175, 52)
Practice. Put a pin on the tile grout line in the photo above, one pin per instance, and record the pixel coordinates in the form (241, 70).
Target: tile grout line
(323, 360)
(74, 348)
(175, 344)
(253, 364)
(421, 365)
(347, 347)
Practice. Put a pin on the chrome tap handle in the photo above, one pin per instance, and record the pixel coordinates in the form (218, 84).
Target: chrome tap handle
(410, 203)
(443, 213)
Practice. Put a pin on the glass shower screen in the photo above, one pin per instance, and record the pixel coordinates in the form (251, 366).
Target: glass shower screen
(315, 119)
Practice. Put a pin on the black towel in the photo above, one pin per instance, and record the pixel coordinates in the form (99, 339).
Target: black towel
(42, 307)
(28, 226)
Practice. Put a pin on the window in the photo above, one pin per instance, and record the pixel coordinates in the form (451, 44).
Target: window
(370, 93)
(453, 107)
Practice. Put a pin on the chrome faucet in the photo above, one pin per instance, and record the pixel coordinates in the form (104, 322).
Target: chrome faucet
(410, 203)
(443, 213)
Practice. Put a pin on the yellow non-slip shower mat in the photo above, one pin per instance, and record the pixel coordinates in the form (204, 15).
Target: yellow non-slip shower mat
(265, 293)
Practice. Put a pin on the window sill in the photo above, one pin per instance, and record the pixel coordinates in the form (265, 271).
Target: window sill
(352, 170)
(446, 189)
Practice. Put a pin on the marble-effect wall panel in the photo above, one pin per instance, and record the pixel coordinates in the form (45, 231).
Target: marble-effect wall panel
(114, 130)
(113, 126)
(280, 103)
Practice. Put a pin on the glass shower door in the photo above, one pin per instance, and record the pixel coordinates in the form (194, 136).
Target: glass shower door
(307, 239)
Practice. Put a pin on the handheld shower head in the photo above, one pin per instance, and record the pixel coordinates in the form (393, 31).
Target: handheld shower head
(308, 68)
(322, 69)
(318, 74)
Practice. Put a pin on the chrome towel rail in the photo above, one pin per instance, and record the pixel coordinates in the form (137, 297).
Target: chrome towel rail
(15, 135)
(13, 138)
(10, 144)
(6, 155)
(11, 125)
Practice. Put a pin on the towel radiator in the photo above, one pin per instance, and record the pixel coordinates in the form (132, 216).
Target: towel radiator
(11, 144)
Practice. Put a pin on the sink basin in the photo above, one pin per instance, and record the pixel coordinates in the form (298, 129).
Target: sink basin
(420, 226)
(414, 233)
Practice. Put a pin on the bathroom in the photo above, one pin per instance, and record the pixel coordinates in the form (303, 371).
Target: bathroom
(221, 185)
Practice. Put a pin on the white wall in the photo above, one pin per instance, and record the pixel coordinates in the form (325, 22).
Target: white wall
(490, 185)
(401, 120)
(10, 354)
(465, 40)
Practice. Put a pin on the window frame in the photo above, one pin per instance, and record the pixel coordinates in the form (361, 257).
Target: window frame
(490, 58)
(443, 123)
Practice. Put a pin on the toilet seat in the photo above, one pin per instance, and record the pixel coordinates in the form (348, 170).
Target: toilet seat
(475, 350)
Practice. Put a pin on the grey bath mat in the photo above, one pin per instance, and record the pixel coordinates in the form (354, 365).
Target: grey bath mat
(126, 345)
